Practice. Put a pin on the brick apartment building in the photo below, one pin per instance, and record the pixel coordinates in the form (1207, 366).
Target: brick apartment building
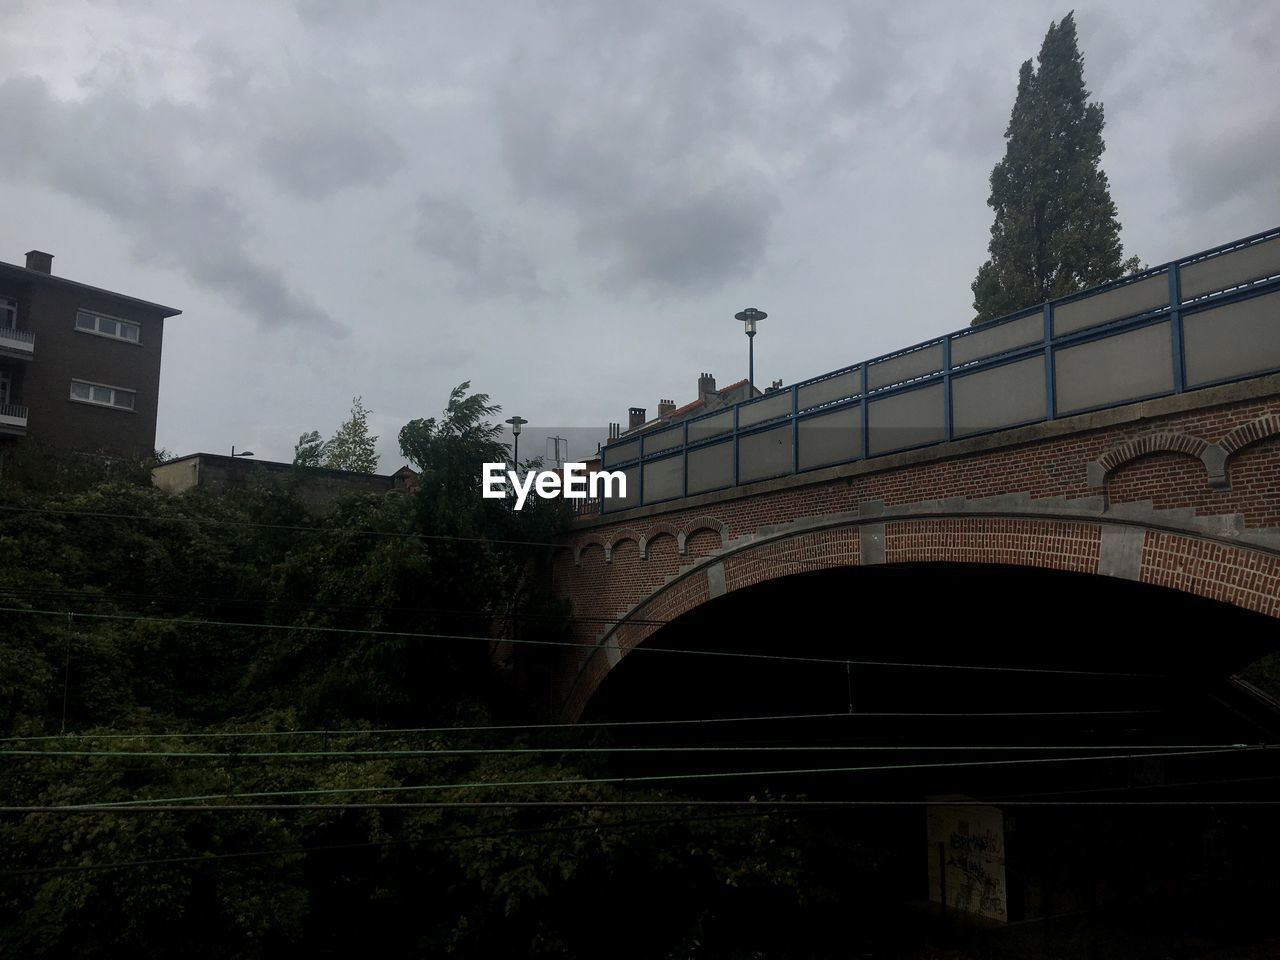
(79, 366)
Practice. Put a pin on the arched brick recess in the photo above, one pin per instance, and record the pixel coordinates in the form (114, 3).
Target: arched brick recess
(697, 524)
(703, 541)
(1237, 575)
(1119, 455)
(1251, 432)
(619, 538)
(583, 549)
(661, 546)
(1255, 482)
(1167, 480)
(657, 531)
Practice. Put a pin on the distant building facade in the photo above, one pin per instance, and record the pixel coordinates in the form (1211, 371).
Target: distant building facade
(316, 486)
(79, 366)
(709, 398)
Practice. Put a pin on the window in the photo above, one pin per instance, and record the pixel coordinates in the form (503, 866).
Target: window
(8, 313)
(102, 395)
(105, 326)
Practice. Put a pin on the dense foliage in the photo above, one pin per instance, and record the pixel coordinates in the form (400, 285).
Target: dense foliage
(1055, 228)
(223, 626)
(352, 447)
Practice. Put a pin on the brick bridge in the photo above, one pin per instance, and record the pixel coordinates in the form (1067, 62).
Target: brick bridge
(1132, 432)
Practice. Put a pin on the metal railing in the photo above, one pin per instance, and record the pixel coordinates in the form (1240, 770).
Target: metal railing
(23, 340)
(1212, 317)
(13, 411)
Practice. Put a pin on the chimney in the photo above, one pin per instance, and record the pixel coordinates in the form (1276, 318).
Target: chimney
(635, 417)
(40, 261)
(615, 431)
(666, 408)
(706, 385)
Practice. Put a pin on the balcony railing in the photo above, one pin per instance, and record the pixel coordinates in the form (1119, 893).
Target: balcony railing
(1210, 318)
(13, 417)
(19, 342)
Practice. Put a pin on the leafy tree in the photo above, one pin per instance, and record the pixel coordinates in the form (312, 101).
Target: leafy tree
(351, 448)
(309, 451)
(1055, 228)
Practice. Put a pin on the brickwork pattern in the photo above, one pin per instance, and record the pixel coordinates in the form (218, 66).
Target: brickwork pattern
(1053, 545)
(1244, 578)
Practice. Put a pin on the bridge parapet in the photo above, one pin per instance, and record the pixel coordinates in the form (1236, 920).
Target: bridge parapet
(1204, 320)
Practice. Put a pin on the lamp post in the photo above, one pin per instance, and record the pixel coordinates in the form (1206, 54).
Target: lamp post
(516, 423)
(750, 317)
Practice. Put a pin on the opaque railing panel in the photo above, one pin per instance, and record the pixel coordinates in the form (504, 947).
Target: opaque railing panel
(1233, 340)
(908, 366)
(999, 397)
(1117, 369)
(710, 426)
(766, 454)
(909, 419)
(830, 438)
(997, 338)
(620, 453)
(1141, 296)
(1231, 269)
(664, 479)
(711, 467)
(770, 408)
(846, 385)
(661, 440)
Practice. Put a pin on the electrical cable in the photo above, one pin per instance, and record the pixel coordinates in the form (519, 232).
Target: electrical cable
(508, 751)
(642, 648)
(584, 725)
(670, 777)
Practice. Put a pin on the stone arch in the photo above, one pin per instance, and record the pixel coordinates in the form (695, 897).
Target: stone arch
(1241, 574)
(701, 523)
(580, 548)
(1249, 433)
(1209, 454)
(661, 529)
(622, 536)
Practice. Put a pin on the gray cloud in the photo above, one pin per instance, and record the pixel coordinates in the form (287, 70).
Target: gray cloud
(117, 155)
(485, 259)
(666, 136)
(1234, 161)
(322, 140)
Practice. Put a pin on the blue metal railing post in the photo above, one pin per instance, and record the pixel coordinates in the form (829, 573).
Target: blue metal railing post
(1050, 404)
(795, 428)
(736, 407)
(1175, 326)
(866, 435)
(946, 389)
(685, 452)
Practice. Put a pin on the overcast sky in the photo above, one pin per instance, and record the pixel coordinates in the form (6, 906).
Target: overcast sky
(566, 202)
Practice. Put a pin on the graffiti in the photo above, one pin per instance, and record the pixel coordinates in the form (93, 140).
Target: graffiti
(967, 859)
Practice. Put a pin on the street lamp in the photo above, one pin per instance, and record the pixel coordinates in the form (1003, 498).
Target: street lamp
(516, 423)
(242, 453)
(750, 317)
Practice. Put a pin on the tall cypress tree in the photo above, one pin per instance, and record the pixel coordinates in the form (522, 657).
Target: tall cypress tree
(1055, 228)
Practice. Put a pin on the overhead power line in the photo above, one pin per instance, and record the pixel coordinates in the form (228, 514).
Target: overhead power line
(668, 778)
(642, 648)
(583, 725)
(736, 748)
